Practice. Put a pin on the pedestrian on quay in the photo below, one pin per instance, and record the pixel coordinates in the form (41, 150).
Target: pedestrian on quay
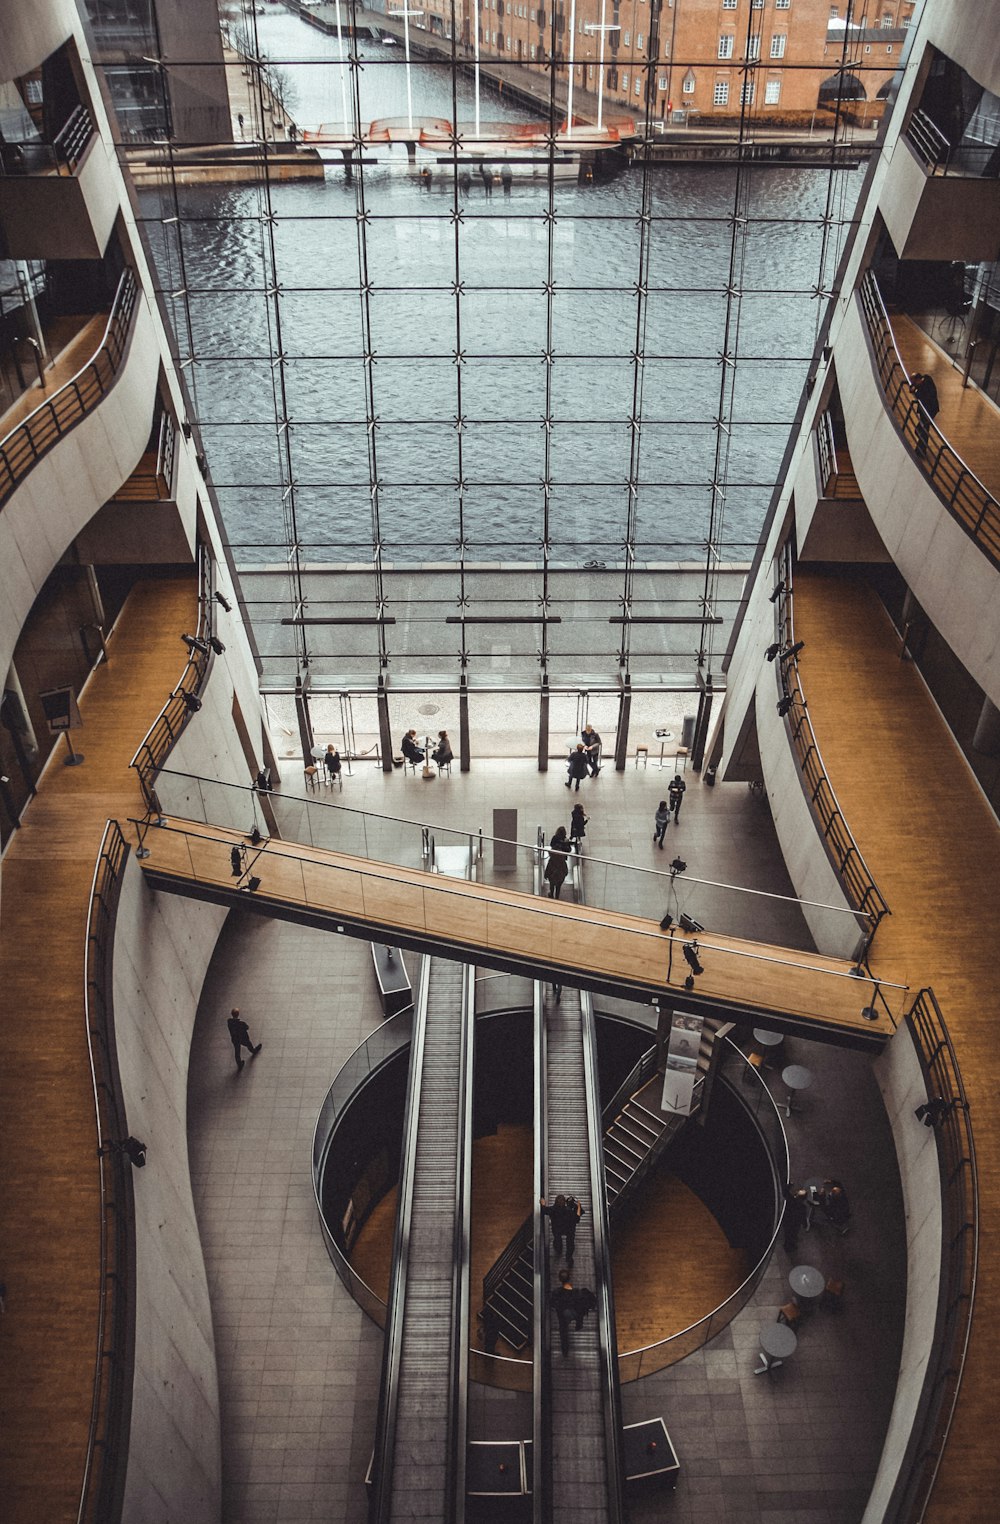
(239, 1034)
(577, 826)
(592, 746)
(408, 746)
(557, 866)
(442, 752)
(564, 1214)
(465, 182)
(795, 1219)
(239, 122)
(487, 178)
(675, 796)
(331, 761)
(660, 822)
(571, 1306)
(925, 406)
(577, 766)
(506, 177)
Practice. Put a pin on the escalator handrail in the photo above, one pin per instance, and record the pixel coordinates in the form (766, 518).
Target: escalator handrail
(541, 1449)
(458, 1405)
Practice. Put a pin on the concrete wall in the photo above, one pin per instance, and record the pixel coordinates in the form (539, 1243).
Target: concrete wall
(68, 485)
(163, 945)
(966, 30)
(947, 571)
(939, 216)
(901, 1081)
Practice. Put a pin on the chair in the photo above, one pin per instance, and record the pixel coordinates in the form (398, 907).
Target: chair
(444, 767)
(833, 1294)
(311, 779)
(643, 752)
(755, 1061)
(681, 759)
(790, 1313)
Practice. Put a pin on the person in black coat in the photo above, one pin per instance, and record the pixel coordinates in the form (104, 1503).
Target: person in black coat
(331, 761)
(408, 746)
(675, 796)
(557, 867)
(577, 825)
(925, 406)
(577, 766)
(442, 752)
(571, 1306)
(564, 1214)
(239, 1034)
(592, 746)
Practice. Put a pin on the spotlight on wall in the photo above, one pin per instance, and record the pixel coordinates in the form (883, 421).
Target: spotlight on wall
(195, 643)
(236, 859)
(784, 704)
(216, 644)
(186, 429)
(773, 650)
(773, 598)
(252, 885)
(191, 703)
(791, 651)
(688, 923)
(667, 922)
(255, 837)
(690, 951)
(224, 602)
(677, 866)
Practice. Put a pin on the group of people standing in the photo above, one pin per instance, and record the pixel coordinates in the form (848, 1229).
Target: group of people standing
(585, 758)
(801, 1203)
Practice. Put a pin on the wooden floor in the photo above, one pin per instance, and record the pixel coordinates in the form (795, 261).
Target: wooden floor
(48, 1174)
(968, 419)
(68, 362)
(535, 931)
(673, 1228)
(933, 847)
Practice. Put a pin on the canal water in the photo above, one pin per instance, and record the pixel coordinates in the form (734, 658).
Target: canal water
(546, 325)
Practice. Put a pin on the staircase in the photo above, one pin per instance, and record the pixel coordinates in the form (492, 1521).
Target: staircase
(635, 1135)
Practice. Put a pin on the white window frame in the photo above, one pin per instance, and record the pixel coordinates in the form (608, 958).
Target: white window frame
(753, 48)
(626, 39)
(661, 83)
(779, 41)
(782, 5)
(638, 40)
(729, 5)
(747, 92)
(772, 92)
(720, 95)
(624, 83)
(726, 43)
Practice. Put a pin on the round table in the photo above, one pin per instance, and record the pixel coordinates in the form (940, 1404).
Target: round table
(319, 752)
(663, 736)
(795, 1077)
(807, 1282)
(767, 1039)
(777, 1342)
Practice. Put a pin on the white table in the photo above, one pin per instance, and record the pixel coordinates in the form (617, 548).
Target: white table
(807, 1282)
(766, 1038)
(663, 739)
(795, 1077)
(777, 1342)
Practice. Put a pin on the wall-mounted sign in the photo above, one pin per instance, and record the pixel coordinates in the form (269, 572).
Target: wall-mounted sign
(681, 1068)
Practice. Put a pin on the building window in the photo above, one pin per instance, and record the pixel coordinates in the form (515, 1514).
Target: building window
(889, 48)
(728, 5)
(726, 45)
(778, 44)
(746, 94)
(753, 48)
(638, 39)
(758, 5)
(627, 39)
(772, 92)
(638, 87)
(689, 84)
(661, 83)
(886, 22)
(532, 50)
(625, 81)
(782, 5)
(721, 95)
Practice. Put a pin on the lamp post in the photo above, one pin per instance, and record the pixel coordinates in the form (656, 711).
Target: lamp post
(406, 13)
(600, 61)
(343, 85)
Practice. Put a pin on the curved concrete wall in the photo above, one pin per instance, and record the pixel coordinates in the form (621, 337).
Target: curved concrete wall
(948, 573)
(163, 945)
(966, 30)
(66, 488)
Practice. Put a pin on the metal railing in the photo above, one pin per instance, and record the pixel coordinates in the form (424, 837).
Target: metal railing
(827, 449)
(36, 157)
(859, 885)
(940, 156)
(165, 730)
(959, 1261)
(72, 138)
(107, 1435)
(153, 483)
(35, 435)
(971, 505)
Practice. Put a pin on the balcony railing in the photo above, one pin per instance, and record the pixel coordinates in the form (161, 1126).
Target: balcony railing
(35, 435)
(60, 157)
(959, 1260)
(183, 702)
(976, 161)
(152, 481)
(107, 1437)
(859, 885)
(964, 495)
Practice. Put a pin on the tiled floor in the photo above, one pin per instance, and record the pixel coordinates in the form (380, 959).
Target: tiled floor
(299, 1363)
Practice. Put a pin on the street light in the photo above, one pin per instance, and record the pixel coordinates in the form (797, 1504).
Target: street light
(600, 62)
(406, 13)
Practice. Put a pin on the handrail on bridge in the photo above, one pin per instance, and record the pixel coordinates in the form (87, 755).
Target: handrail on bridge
(107, 1437)
(859, 885)
(35, 435)
(959, 1260)
(970, 504)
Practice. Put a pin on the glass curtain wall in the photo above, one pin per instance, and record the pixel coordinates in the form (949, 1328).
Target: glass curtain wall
(494, 396)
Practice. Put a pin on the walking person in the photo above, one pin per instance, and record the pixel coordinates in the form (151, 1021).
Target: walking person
(592, 746)
(442, 752)
(660, 822)
(925, 406)
(675, 796)
(408, 746)
(239, 1034)
(487, 176)
(577, 826)
(557, 866)
(571, 1306)
(506, 178)
(331, 761)
(577, 766)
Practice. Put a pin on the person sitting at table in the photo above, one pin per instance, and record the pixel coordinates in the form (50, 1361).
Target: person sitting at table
(331, 761)
(408, 746)
(836, 1207)
(442, 753)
